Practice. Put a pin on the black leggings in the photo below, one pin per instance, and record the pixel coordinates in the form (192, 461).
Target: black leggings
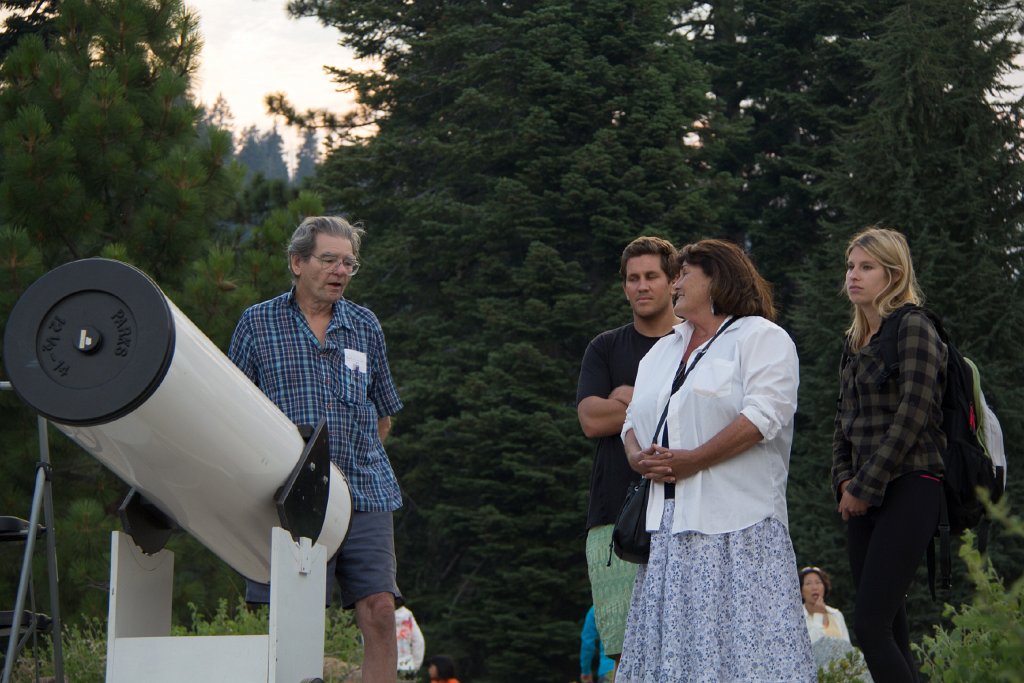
(885, 547)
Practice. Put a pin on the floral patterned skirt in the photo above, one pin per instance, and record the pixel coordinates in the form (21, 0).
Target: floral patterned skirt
(717, 608)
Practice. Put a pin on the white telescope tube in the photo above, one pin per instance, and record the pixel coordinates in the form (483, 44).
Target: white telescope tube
(97, 348)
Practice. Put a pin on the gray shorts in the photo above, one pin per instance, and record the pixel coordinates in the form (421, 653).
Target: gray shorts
(365, 564)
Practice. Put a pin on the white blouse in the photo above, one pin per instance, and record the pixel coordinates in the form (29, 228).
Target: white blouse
(816, 625)
(751, 369)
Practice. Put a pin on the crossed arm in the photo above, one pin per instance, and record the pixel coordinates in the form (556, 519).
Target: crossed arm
(604, 416)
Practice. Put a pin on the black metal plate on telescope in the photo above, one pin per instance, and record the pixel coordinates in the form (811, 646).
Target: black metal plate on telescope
(89, 342)
(147, 524)
(302, 501)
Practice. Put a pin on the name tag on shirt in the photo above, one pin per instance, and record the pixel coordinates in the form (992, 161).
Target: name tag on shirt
(355, 360)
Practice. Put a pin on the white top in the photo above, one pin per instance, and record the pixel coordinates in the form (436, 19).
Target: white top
(993, 436)
(751, 369)
(816, 625)
(411, 645)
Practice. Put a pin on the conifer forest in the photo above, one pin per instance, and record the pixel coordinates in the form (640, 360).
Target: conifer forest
(500, 156)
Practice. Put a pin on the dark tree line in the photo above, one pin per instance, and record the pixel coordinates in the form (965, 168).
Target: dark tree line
(516, 147)
(262, 153)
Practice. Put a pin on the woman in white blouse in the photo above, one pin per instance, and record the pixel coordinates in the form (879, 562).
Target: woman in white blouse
(717, 600)
(822, 621)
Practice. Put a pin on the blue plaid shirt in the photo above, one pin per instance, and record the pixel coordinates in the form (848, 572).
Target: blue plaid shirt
(348, 381)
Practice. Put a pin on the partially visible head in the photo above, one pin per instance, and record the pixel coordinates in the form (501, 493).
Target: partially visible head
(303, 241)
(736, 287)
(441, 668)
(814, 581)
(651, 246)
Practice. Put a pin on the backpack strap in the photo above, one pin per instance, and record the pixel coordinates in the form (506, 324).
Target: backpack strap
(889, 332)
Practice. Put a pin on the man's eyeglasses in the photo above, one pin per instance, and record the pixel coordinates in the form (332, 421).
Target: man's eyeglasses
(331, 261)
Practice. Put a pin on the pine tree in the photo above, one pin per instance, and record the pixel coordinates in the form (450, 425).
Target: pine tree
(99, 155)
(247, 151)
(799, 82)
(309, 154)
(262, 154)
(788, 77)
(20, 265)
(99, 137)
(218, 115)
(937, 156)
(275, 166)
(520, 146)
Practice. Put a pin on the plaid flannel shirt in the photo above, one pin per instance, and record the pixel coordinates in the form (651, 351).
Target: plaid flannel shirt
(348, 381)
(887, 427)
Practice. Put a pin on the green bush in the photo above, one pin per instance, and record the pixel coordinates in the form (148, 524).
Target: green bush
(343, 645)
(343, 650)
(242, 621)
(84, 646)
(986, 639)
(850, 668)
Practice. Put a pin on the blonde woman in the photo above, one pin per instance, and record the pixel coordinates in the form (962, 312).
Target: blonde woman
(887, 447)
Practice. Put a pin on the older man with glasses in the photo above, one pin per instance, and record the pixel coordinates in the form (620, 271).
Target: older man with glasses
(318, 355)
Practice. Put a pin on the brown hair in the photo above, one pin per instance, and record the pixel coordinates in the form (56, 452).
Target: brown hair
(736, 286)
(651, 246)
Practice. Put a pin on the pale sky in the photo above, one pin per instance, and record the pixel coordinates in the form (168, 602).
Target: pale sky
(252, 48)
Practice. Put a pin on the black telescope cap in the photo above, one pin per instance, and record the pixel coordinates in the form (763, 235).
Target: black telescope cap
(89, 342)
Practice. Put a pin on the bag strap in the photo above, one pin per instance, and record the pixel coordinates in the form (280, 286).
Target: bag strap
(888, 334)
(683, 372)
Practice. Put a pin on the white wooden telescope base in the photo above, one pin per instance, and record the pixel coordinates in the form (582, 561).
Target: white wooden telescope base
(141, 649)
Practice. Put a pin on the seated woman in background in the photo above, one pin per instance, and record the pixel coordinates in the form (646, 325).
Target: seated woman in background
(822, 621)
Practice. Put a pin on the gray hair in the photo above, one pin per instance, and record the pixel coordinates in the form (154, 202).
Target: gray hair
(303, 240)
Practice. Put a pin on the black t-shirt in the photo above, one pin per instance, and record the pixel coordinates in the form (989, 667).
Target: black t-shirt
(610, 361)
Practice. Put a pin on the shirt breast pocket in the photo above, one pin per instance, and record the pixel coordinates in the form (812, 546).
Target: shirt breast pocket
(713, 378)
(353, 385)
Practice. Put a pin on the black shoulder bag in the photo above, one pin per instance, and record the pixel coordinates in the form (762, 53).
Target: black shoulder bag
(631, 540)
